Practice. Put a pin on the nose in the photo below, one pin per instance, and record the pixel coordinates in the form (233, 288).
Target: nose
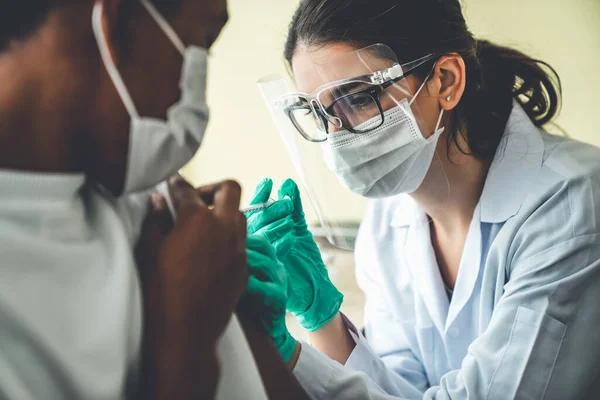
(335, 124)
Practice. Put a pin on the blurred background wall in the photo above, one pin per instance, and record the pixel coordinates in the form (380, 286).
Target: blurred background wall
(242, 142)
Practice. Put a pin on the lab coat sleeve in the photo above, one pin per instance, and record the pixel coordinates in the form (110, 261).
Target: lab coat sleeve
(326, 379)
(387, 356)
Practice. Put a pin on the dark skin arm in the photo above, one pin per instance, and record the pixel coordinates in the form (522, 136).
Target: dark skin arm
(279, 382)
(175, 356)
(192, 275)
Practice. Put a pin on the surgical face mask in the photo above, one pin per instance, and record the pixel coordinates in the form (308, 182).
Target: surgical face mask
(387, 161)
(159, 149)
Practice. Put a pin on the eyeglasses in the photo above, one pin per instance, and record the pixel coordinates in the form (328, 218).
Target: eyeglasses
(356, 105)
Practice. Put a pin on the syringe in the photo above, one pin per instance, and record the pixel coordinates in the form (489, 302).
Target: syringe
(257, 207)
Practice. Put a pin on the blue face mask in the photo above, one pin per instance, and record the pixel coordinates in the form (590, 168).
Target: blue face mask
(159, 149)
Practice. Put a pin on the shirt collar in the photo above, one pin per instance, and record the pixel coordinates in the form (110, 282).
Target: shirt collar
(25, 186)
(517, 161)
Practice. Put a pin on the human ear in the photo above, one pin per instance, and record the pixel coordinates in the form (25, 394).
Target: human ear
(448, 81)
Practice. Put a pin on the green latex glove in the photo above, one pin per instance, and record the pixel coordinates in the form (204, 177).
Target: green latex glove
(273, 222)
(266, 296)
(312, 298)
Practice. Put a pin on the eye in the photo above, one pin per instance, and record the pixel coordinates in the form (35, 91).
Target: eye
(360, 101)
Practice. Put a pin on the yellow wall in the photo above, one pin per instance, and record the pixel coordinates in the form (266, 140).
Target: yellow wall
(242, 142)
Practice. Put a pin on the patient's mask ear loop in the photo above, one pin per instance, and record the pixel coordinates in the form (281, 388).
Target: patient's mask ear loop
(108, 60)
(164, 25)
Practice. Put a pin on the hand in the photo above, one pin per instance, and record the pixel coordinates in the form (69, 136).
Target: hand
(272, 222)
(312, 298)
(266, 297)
(193, 274)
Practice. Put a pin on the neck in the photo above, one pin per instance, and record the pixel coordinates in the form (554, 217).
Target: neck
(452, 188)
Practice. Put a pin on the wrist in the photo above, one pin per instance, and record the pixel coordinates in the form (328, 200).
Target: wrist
(326, 306)
(287, 347)
(334, 340)
(295, 356)
(171, 371)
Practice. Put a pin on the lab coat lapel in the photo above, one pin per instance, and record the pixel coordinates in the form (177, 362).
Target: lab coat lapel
(423, 265)
(468, 271)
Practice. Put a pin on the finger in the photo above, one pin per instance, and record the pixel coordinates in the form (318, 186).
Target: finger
(182, 193)
(277, 230)
(262, 192)
(241, 232)
(208, 192)
(158, 221)
(156, 226)
(274, 212)
(290, 189)
(264, 264)
(258, 244)
(227, 197)
(283, 246)
(270, 293)
(260, 266)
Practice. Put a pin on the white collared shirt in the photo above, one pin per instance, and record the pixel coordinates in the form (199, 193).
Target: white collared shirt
(522, 321)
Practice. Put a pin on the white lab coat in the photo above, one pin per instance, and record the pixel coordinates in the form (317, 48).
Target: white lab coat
(524, 316)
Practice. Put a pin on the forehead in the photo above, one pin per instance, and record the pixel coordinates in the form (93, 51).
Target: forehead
(317, 65)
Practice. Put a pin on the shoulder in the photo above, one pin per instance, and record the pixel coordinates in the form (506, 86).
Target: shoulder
(570, 158)
(561, 203)
(569, 183)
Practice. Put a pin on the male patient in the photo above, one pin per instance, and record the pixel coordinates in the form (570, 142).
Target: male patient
(99, 102)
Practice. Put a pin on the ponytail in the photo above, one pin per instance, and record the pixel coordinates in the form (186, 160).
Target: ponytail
(496, 76)
(535, 84)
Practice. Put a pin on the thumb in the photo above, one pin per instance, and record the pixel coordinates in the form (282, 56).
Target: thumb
(262, 192)
(157, 224)
(289, 188)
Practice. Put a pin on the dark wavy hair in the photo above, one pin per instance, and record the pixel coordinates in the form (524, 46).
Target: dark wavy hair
(414, 28)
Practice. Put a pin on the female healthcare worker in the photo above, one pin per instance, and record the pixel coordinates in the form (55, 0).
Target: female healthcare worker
(479, 253)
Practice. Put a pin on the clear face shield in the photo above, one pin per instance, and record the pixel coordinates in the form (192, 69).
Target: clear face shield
(354, 131)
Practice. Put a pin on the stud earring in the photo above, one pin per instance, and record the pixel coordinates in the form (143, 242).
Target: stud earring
(449, 98)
